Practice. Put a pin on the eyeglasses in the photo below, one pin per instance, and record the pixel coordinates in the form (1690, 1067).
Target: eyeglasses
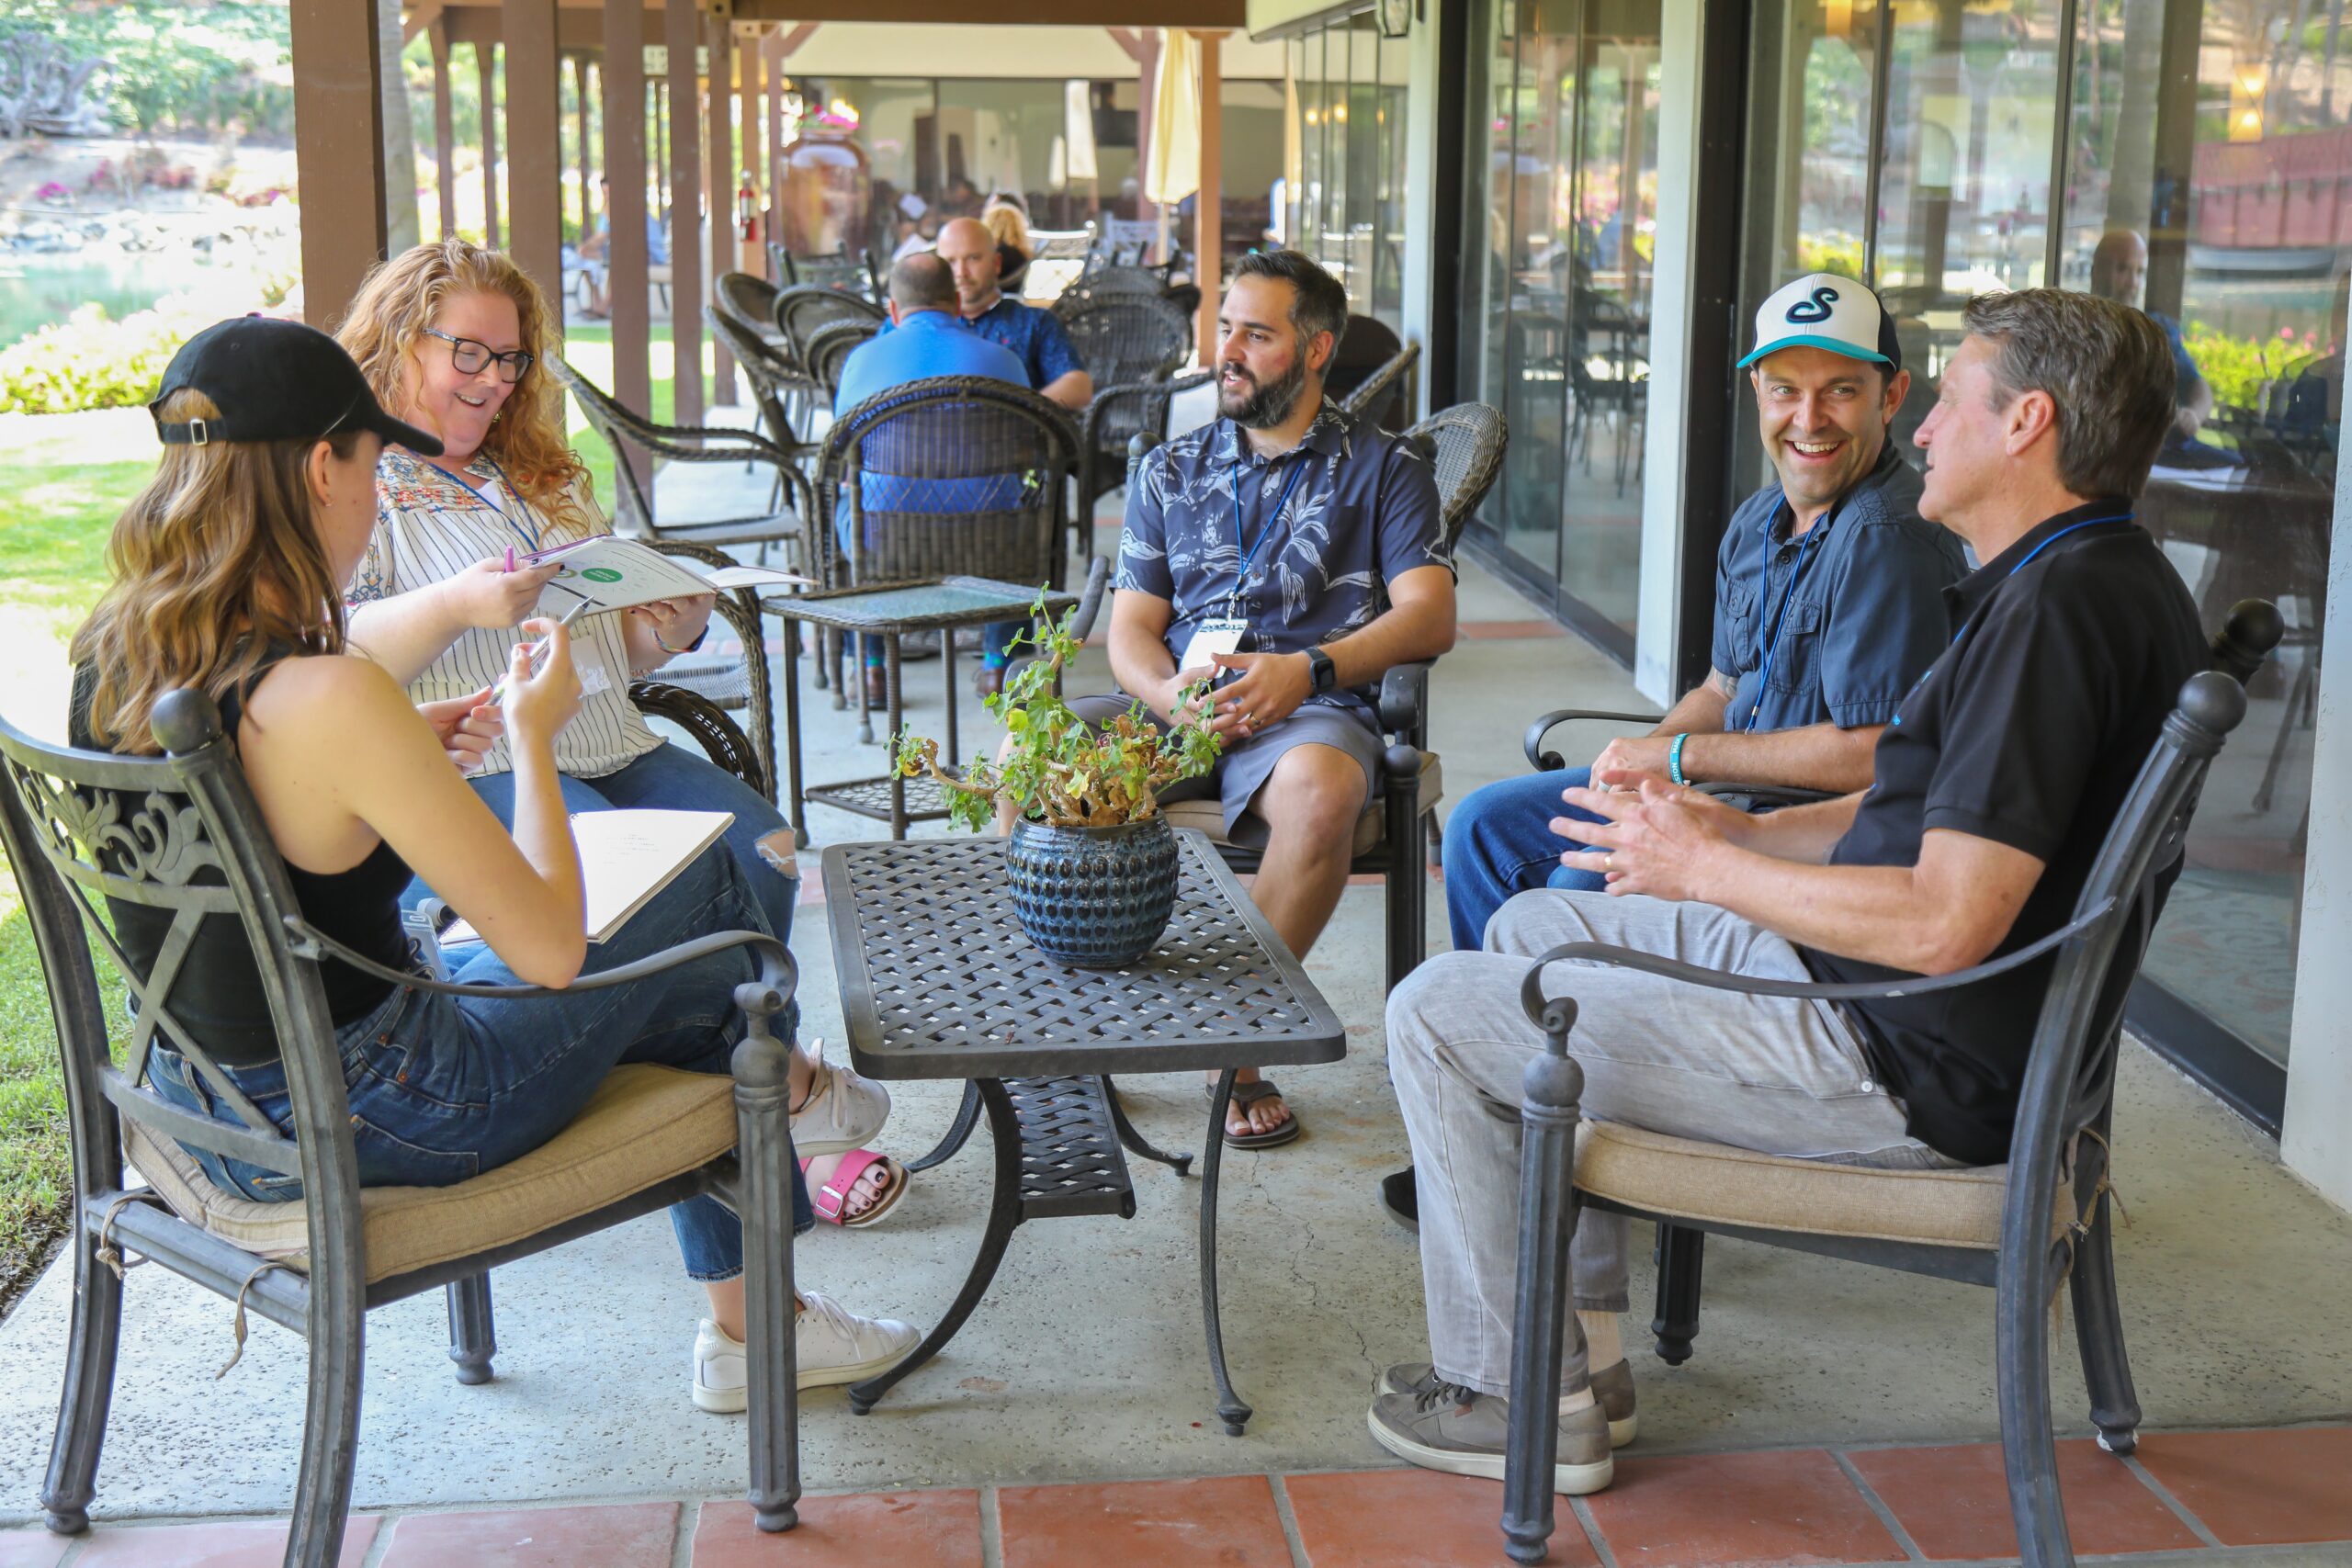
(468, 357)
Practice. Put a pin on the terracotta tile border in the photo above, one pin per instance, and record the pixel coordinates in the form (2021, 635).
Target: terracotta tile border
(2235, 1474)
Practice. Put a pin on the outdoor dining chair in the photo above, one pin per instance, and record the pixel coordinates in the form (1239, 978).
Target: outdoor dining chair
(750, 303)
(789, 399)
(181, 837)
(1109, 281)
(729, 671)
(1133, 345)
(829, 348)
(851, 274)
(627, 435)
(1468, 442)
(804, 309)
(1383, 393)
(2023, 1228)
(1367, 370)
(945, 476)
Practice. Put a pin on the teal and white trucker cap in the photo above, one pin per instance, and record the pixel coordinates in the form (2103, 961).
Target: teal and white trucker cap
(1822, 309)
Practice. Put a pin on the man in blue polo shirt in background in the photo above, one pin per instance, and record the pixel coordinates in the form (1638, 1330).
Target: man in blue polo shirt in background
(931, 339)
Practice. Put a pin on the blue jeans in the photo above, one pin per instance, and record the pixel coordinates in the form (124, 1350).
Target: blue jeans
(671, 778)
(442, 1088)
(1499, 842)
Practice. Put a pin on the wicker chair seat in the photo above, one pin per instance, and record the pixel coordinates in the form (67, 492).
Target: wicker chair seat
(643, 1125)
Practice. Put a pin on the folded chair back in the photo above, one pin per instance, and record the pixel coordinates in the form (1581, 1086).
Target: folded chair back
(805, 307)
(748, 301)
(946, 475)
(773, 377)
(830, 347)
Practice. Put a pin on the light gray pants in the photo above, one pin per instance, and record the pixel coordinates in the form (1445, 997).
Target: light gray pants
(1779, 1076)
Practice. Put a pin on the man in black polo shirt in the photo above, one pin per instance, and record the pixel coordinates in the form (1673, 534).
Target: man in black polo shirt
(1993, 789)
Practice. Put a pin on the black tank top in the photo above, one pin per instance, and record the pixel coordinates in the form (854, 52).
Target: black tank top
(217, 995)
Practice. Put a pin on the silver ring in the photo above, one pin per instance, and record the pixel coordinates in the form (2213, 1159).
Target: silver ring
(1608, 863)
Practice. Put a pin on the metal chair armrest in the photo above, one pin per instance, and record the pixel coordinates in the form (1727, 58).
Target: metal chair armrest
(1544, 761)
(1531, 997)
(1775, 796)
(778, 970)
(1404, 701)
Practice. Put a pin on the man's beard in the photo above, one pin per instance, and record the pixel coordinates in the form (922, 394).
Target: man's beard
(1266, 404)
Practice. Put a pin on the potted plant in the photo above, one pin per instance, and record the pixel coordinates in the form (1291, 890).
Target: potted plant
(1091, 862)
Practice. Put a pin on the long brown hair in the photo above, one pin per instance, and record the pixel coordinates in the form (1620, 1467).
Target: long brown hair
(385, 328)
(215, 563)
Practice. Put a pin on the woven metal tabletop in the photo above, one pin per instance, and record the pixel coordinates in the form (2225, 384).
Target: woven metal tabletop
(892, 608)
(938, 982)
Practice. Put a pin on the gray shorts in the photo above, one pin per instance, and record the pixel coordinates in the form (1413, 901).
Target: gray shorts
(1246, 765)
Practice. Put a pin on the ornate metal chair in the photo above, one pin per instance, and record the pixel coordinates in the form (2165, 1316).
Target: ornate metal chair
(829, 349)
(805, 307)
(180, 837)
(1133, 345)
(2024, 1228)
(1469, 441)
(633, 501)
(948, 476)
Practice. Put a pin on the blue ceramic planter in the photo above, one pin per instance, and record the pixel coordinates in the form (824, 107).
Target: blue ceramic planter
(1096, 897)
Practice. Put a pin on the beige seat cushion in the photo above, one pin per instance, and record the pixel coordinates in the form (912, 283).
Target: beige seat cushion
(1209, 816)
(643, 1125)
(1710, 1181)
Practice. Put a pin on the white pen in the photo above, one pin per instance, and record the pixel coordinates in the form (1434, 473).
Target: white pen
(539, 650)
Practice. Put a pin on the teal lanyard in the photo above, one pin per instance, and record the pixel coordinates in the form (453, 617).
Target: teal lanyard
(1804, 550)
(2069, 528)
(529, 535)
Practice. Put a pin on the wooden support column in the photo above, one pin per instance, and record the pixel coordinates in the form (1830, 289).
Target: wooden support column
(486, 66)
(581, 144)
(772, 49)
(748, 60)
(720, 40)
(1208, 225)
(444, 133)
(681, 30)
(624, 105)
(1146, 115)
(535, 144)
(338, 152)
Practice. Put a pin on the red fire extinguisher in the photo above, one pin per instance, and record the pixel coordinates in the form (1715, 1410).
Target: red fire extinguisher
(747, 209)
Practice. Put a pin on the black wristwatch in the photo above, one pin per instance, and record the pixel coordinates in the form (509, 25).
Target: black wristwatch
(1319, 667)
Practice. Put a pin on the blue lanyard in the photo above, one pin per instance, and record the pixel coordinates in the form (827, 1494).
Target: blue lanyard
(529, 535)
(2069, 528)
(1804, 550)
(1248, 550)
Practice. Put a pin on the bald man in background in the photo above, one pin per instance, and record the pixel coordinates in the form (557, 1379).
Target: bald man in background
(1036, 336)
(2120, 272)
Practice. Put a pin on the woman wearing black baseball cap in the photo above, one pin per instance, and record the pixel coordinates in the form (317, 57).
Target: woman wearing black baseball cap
(228, 571)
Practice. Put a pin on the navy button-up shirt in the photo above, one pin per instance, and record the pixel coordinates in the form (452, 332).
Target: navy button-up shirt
(1834, 626)
(1325, 527)
(1037, 338)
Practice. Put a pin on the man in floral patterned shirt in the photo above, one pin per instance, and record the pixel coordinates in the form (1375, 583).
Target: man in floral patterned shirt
(1298, 554)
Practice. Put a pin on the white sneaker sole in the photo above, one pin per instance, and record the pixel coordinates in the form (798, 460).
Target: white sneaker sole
(1619, 1432)
(1568, 1480)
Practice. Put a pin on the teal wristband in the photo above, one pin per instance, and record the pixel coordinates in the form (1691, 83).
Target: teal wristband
(1674, 760)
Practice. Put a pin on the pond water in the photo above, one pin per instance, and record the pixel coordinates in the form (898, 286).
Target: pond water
(36, 291)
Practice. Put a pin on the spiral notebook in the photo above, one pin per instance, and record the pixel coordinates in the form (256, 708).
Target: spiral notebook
(627, 857)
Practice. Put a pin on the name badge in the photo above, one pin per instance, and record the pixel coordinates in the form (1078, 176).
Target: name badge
(590, 668)
(1211, 638)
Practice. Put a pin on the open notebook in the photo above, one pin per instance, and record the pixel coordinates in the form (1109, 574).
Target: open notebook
(626, 857)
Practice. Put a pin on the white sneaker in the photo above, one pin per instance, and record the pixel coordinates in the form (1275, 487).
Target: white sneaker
(844, 1112)
(833, 1345)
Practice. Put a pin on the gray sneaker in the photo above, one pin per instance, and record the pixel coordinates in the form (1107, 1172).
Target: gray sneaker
(1446, 1426)
(1611, 1386)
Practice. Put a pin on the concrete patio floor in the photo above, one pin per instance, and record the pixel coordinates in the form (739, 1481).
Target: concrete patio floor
(1085, 1362)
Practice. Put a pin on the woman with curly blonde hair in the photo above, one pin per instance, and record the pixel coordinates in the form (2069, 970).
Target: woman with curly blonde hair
(455, 339)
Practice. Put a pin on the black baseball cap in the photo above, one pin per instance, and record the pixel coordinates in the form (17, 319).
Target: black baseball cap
(276, 380)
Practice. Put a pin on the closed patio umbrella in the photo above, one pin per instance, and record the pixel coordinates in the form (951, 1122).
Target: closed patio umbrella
(1173, 170)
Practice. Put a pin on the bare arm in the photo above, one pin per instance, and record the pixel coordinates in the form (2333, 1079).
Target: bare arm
(1072, 389)
(339, 759)
(677, 621)
(1949, 911)
(1140, 661)
(406, 632)
(1818, 756)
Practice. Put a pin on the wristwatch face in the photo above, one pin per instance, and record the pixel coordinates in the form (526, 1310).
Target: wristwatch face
(1325, 672)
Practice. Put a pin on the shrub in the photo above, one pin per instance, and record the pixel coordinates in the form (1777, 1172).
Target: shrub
(2236, 367)
(90, 362)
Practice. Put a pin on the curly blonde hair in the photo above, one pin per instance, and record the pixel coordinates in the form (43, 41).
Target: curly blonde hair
(217, 563)
(399, 299)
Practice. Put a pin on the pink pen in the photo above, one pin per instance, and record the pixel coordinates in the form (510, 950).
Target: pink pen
(510, 557)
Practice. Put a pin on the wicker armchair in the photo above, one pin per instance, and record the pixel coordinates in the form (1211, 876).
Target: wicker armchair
(786, 394)
(633, 501)
(804, 309)
(1105, 282)
(750, 303)
(1379, 396)
(729, 671)
(829, 349)
(1133, 345)
(852, 273)
(947, 476)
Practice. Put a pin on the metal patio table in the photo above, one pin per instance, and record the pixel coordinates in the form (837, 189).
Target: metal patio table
(890, 611)
(938, 982)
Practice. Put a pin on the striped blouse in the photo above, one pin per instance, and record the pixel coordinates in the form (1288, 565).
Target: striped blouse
(430, 526)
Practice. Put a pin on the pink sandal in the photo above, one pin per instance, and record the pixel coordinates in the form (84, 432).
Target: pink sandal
(831, 1198)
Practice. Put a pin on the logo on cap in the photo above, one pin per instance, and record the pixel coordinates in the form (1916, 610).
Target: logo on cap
(1805, 312)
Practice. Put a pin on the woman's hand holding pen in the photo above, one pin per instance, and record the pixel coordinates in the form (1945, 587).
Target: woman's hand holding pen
(540, 700)
(466, 726)
(491, 593)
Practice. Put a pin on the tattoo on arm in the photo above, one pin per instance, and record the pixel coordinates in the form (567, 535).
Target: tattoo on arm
(1720, 684)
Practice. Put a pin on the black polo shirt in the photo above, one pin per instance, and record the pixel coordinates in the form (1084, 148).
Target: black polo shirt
(2068, 650)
